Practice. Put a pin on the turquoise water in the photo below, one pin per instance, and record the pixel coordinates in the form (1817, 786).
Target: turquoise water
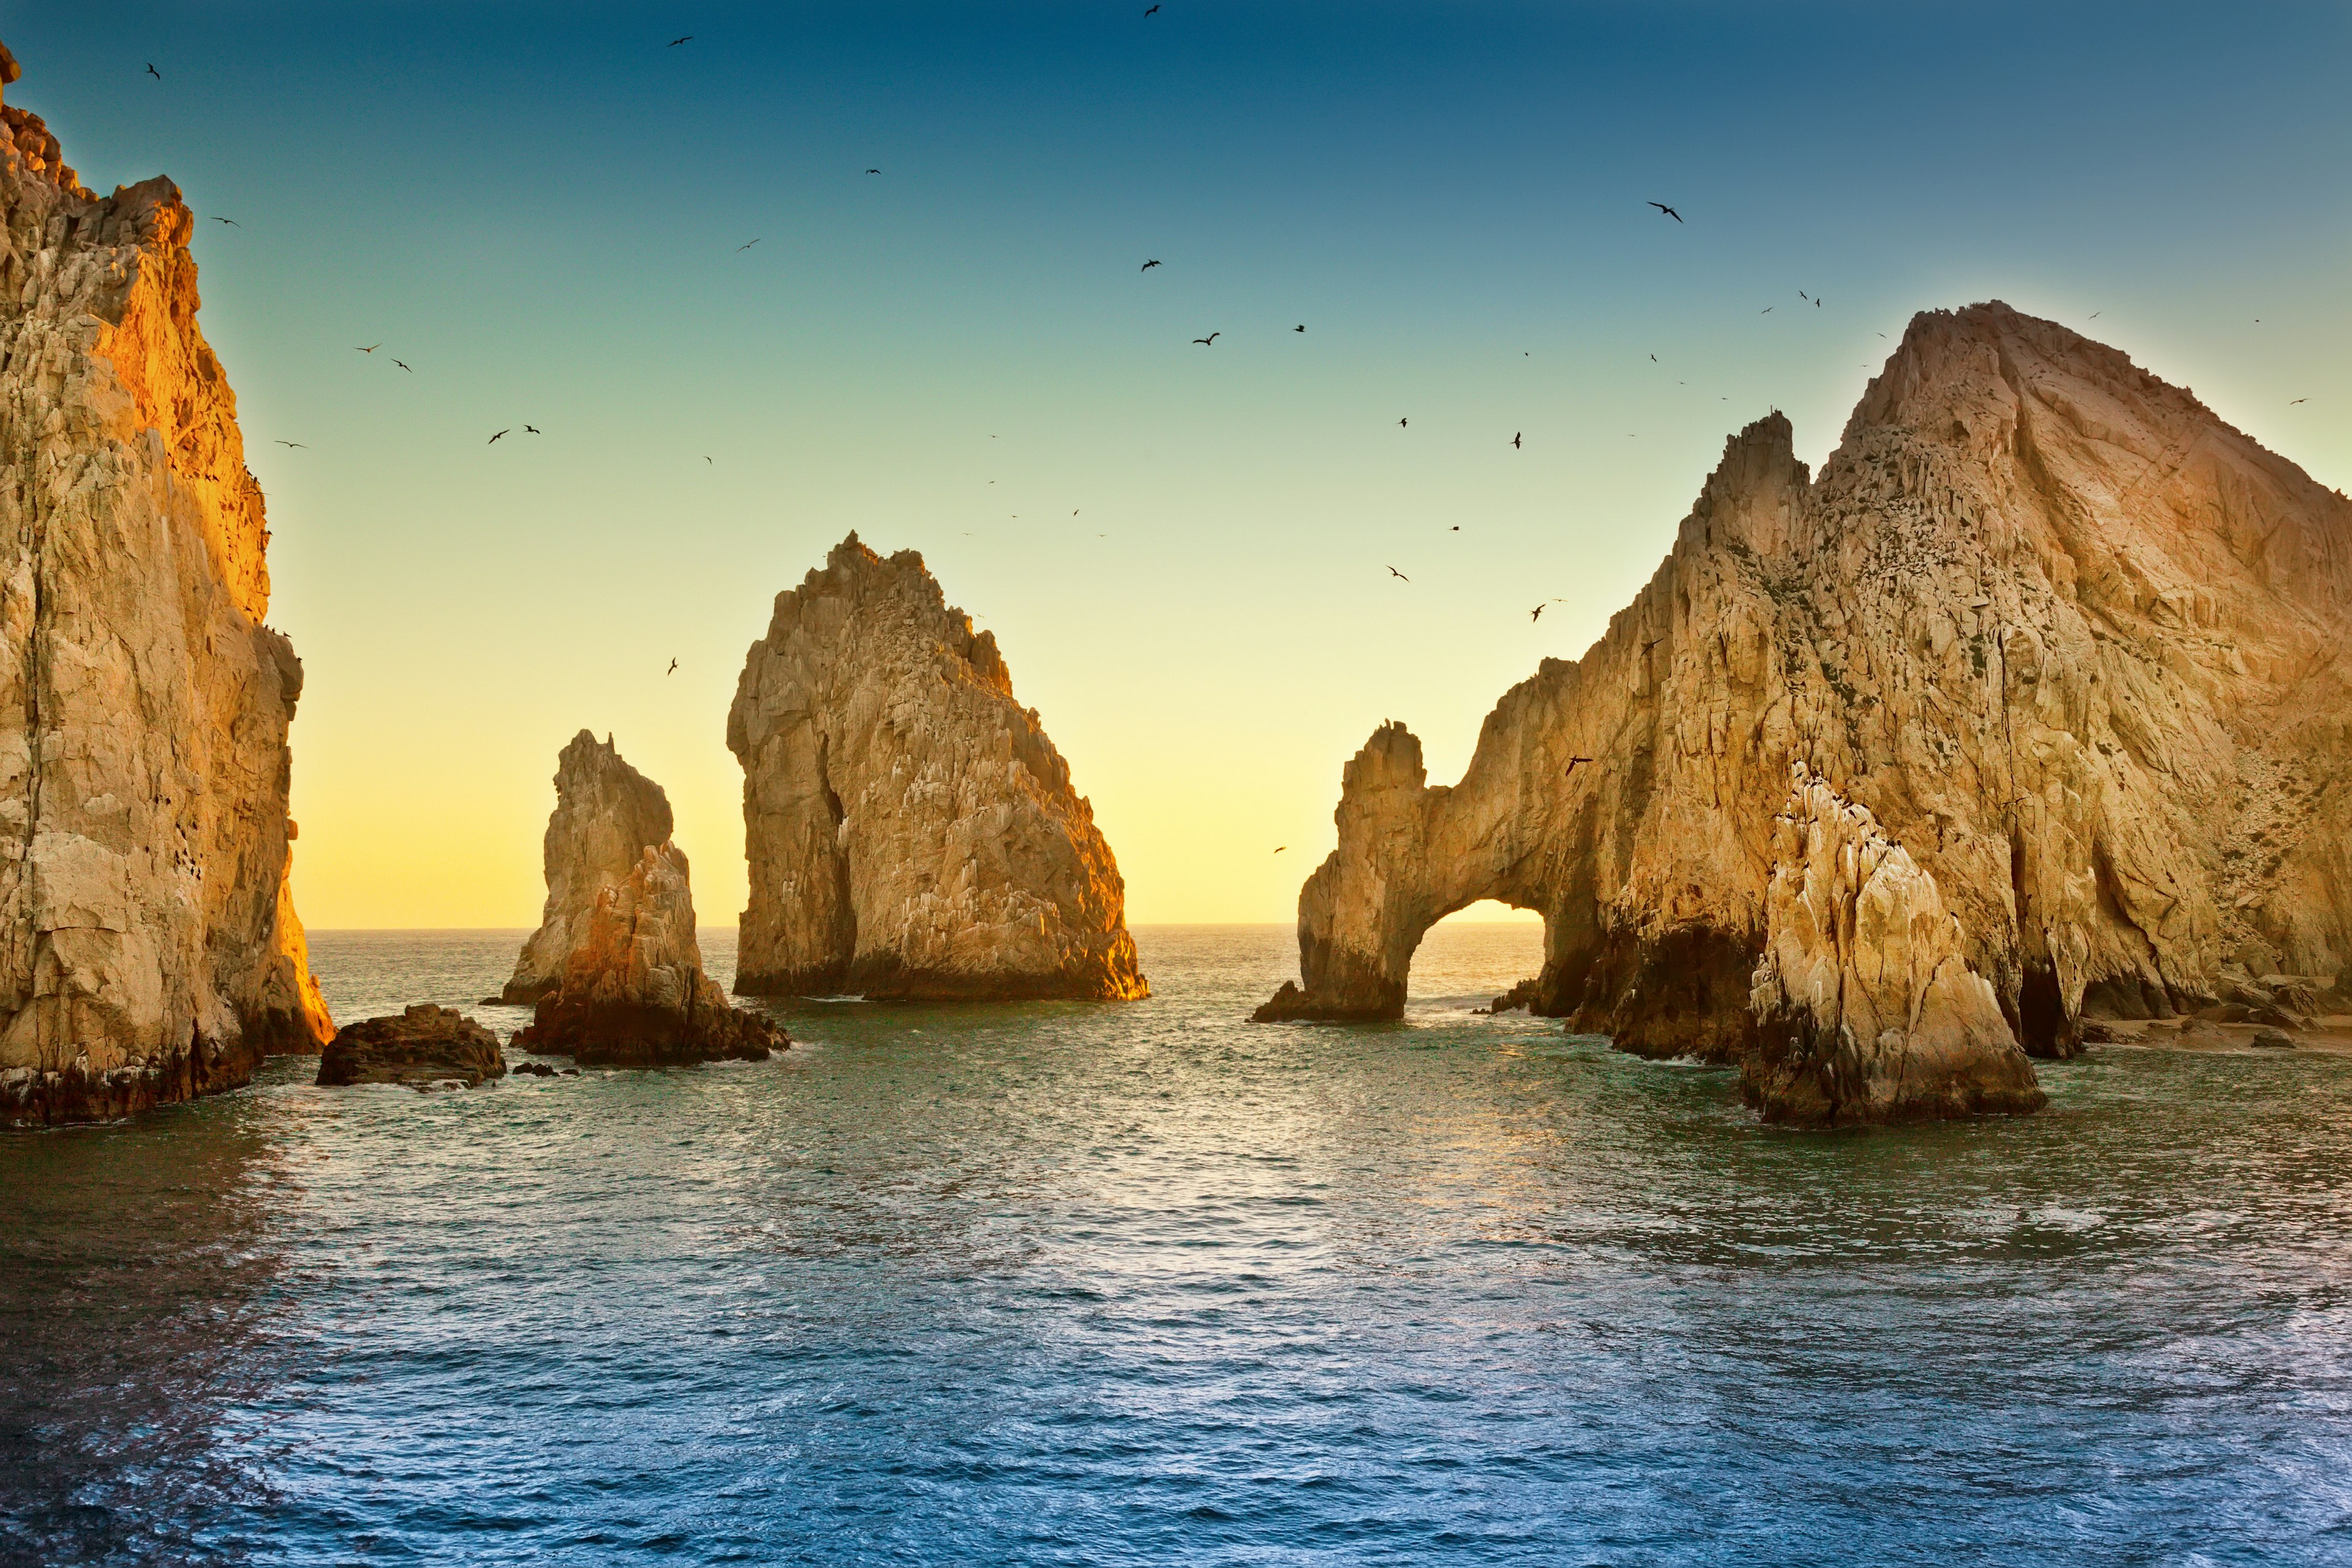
(1078, 1284)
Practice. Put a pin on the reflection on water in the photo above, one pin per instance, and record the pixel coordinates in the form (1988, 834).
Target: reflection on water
(1064, 1283)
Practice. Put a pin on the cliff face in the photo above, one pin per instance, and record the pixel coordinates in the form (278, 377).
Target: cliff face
(912, 833)
(614, 968)
(2079, 648)
(148, 945)
(1866, 1009)
(606, 814)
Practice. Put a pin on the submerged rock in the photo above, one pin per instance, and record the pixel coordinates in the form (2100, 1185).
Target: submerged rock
(912, 831)
(625, 987)
(148, 949)
(423, 1047)
(1866, 1008)
(2071, 638)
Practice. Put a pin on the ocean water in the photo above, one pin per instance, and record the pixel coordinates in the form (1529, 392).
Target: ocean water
(1085, 1284)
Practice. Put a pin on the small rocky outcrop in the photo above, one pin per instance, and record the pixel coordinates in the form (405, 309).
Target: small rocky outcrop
(627, 986)
(606, 815)
(148, 949)
(1866, 1009)
(423, 1047)
(912, 832)
(2076, 642)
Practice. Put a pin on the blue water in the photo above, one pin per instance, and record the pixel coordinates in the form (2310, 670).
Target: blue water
(1078, 1284)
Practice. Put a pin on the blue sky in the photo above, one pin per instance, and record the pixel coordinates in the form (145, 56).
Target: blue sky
(539, 207)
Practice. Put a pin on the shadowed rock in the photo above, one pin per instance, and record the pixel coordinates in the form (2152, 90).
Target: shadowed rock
(424, 1046)
(912, 833)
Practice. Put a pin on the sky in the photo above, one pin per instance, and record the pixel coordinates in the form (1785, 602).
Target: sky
(1183, 551)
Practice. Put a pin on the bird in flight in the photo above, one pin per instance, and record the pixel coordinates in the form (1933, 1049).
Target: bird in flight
(673, 668)
(1514, 438)
(1653, 358)
(1153, 11)
(494, 440)
(230, 221)
(1398, 575)
(1280, 847)
(1149, 265)
(707, 459)
(404, 364)
(1537, 614)
(153, 72)
(1800, 294)
(873, 170)
(1300, 328)
(1669, 211)
(1764, 311)
(370, 349)
(675, 42)
(747, 245)
(1571, 765)
(293, 444)
(1210, 342)
(2299, 400)
(2095, 316)
(532, 430)
(1399, 423)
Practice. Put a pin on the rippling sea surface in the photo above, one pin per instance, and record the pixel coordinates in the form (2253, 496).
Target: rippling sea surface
(1145, 1284)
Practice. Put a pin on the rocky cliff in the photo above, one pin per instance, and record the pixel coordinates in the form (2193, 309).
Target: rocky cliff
(1866, 1008)
(614, 968)
(148, 945)
(912, 831)
(2080, 647)
(606, 815)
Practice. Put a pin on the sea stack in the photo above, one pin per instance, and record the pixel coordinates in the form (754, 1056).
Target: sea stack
(912, 832)
(148, 949)
(614, 968)
(2078, 644)
(1866, 1007)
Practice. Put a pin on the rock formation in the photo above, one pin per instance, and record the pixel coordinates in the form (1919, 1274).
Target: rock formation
(148, 945)
(614, 968)
(912, 833)
(1866, 1009)
(2079, 646)
(423, 1047)
(606, 815)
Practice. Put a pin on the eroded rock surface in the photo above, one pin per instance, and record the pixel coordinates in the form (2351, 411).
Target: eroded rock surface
(148, 946)
(616, 968)
(2078, 644)
(606, 815)
(1866, 1009)
(912, 831)
(423, 1047)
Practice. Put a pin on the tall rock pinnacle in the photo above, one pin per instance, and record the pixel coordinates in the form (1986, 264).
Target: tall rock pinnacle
(148, 946)
(912, 833)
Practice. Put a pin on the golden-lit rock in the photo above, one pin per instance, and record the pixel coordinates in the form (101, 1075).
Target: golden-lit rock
(148, 946)
(616, 968)
(2078, 645)
(1866, 1007)
(912, 831)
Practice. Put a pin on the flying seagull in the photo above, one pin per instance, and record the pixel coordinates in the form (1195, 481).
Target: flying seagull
(494, 440)
(1300, 328)
(1210, 342)
(532, 430)
(1399, 423)
(2299, 400)
(153, 72)
(2095, 316)
(1514, 437)
(707, 458)
(1398, 575)
(1280, 847)
(1149, 265)
(1800, 294)
(673, 668)
(1764, 311)
(747, 245)
(1669, 211)
(404, 364)
(1571, 765)
(293, 444)
(675, 42)
(230, 221)
(370, 349)
(1153, 11)
(873, 170)
(1537, 614)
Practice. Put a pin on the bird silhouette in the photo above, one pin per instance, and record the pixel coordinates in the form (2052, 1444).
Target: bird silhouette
(1300, 328)
(1149, 265)
(2095, 315)
(532, 430)
(1571, 765)
(1653, 358)
(707, 459)
(1514, 437)
(1764, 311)
(1210, 342)
(1280, 847)
(1153, 11)
(1455, 528)
(747, 245)
(494, 440)
(292, 444)
(873, 170)
(1398, 575)
(370, 349)
(1800, 294)
(1817, 302)
(153, 72)
(2298, 400)
(230, 221)
(673, 668)
(404, 364)
(1537, 614)
(1399, 423)
(1669, 211)
(675, 42)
